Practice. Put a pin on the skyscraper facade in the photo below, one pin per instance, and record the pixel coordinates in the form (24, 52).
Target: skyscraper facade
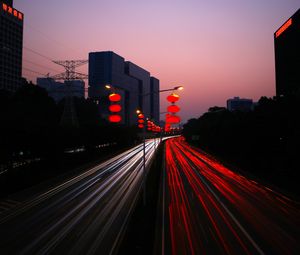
(154, 99)
(138, 89)
(11, 46)
(287, 56)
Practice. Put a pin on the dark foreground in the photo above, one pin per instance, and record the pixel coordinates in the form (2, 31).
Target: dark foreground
(87, 214)
(194, 205)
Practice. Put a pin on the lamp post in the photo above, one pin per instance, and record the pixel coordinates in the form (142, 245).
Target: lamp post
(144, 134)
(163, 90)
(175, 88)
(141, 116)
(114, 107)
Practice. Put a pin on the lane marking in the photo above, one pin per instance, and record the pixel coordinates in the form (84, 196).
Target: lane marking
(232, 217)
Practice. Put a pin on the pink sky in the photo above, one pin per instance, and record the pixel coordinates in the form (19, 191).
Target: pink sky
(216, 49)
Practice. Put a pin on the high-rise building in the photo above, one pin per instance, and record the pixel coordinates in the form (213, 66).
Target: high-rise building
(154, 99)
(287, 56)
(240, 104)
(59, 90)
(11, 45)
(138, 89)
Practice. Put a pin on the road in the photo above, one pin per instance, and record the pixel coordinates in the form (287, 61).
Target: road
(86, 214)
(209, 209)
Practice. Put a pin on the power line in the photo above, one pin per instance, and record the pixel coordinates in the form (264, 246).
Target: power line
(42, 55)
(37, 53)
(32, 71)
(39, 65)
(53, 40)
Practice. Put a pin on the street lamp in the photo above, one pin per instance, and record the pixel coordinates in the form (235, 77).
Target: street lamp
(163, 90)
(107, 86)
(141, 117)
(114, 107)
(144, 133)
(175, 88)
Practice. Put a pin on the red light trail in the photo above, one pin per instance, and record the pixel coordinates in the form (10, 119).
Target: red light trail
(213, 210)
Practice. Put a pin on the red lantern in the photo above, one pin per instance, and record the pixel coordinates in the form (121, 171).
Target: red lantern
(173, 108)
(114, 118)
(114, 97)
(141, 126)
(141, 116)
(141, 121)
(173, 119)
(115, 108)
(173, 98)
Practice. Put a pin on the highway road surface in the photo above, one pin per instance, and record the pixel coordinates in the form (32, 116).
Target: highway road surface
(83, 215)
(209, 209)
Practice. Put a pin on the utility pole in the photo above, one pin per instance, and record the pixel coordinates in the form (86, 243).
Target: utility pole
(69, 116)
(144, 165)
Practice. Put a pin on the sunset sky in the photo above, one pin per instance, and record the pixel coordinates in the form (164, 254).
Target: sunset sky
(216, 49)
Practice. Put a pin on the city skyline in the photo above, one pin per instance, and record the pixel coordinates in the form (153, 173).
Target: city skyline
(215, 51)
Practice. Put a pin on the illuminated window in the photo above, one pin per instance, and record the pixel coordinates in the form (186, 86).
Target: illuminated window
(20, 16)
(15, 13)
(10, 10)
(4, 7)
(283, 28)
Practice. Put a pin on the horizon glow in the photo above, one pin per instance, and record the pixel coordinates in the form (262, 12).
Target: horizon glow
(216, 50)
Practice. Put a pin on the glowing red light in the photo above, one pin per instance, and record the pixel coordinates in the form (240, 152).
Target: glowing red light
(4, 7)
(173, 98)
(20, 16)
(283, 28)
(141, 126)
(141, 116)
(115, 108)
(114, 118)
(10, 10)
(167, 127)
(173, 119)
(173, 108)
(141, 121)
(114, 97)
(15, 13)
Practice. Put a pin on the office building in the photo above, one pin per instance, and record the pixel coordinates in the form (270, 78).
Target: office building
(287, 56)
(240, 104)
(138, 89)
(59, 90)
(11, 45)
(154, 99)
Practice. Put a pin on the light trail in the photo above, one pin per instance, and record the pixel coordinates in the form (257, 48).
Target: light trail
(213, 210)
(86, 214)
